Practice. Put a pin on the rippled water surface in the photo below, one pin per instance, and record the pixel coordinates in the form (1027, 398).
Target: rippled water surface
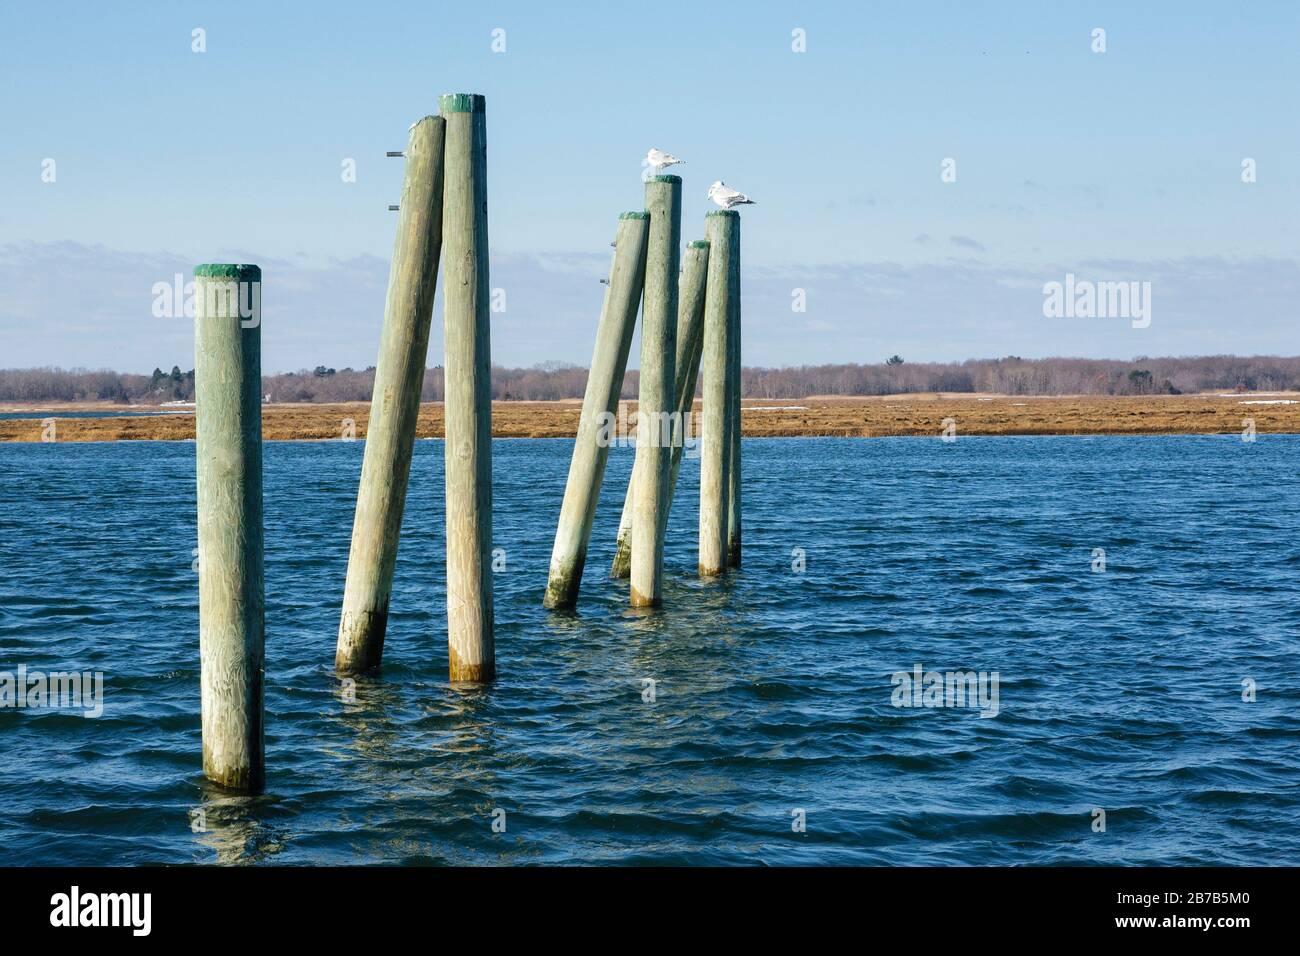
(1120, 690)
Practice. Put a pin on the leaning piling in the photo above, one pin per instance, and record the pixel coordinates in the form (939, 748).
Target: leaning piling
(395, 403)
(595, 426)
(690, 341)
(690, 345)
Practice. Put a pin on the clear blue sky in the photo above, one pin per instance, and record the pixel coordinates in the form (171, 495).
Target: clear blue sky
(1120, 165)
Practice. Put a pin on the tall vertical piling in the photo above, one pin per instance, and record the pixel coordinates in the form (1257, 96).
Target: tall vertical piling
(655, 403)
(690, 340)
(468, 400)
(395, 403)
(599, 404)
(228, 452)
(715, 440)
(733, 420)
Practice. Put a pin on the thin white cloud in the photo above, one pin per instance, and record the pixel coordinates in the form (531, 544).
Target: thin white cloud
(70, 304)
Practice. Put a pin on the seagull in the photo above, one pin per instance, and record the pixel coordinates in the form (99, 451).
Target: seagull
(658, 160)
(726, 197)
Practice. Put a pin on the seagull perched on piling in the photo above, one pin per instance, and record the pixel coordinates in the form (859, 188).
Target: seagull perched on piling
(658, 160)
(726, 197)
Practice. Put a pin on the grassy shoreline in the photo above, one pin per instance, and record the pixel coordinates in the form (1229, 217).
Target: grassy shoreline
(865, 417)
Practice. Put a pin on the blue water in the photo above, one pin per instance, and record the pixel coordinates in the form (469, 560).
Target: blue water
(1119, 690)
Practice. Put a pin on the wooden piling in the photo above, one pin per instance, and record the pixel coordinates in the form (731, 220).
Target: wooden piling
(395, 403)
(733, 418)
(715, 441)
(468, 387)
(228, 454)
(622, 565)
(655, 403)
(599, 405)
(690, 345)
(690, 340)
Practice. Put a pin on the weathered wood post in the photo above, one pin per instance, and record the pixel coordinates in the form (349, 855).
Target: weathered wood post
(595, 427)
(394, 403)
(715, 438)
(468, 388)
(655, 402)
(622, 565)
(690, 341)
(733, 422)
(228, 452)
(690, 344)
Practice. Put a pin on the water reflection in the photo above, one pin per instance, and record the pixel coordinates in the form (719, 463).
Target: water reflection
(235, 827)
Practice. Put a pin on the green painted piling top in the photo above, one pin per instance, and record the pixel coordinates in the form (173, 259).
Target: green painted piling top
(665, 178)
(462, 103)
(731, 213)
(699, 244)
(639, 214)
(225, 270)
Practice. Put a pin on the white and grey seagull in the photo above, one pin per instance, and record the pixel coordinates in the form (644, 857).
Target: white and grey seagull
(658, 160)
(726, 197)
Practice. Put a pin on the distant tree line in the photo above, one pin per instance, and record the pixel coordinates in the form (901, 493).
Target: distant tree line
(554, 380)
(1016, 376)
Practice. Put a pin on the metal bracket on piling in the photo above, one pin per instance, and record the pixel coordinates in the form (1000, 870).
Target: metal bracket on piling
(395, 154)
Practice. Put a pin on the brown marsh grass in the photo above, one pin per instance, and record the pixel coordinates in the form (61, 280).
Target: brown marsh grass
(873, 417)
